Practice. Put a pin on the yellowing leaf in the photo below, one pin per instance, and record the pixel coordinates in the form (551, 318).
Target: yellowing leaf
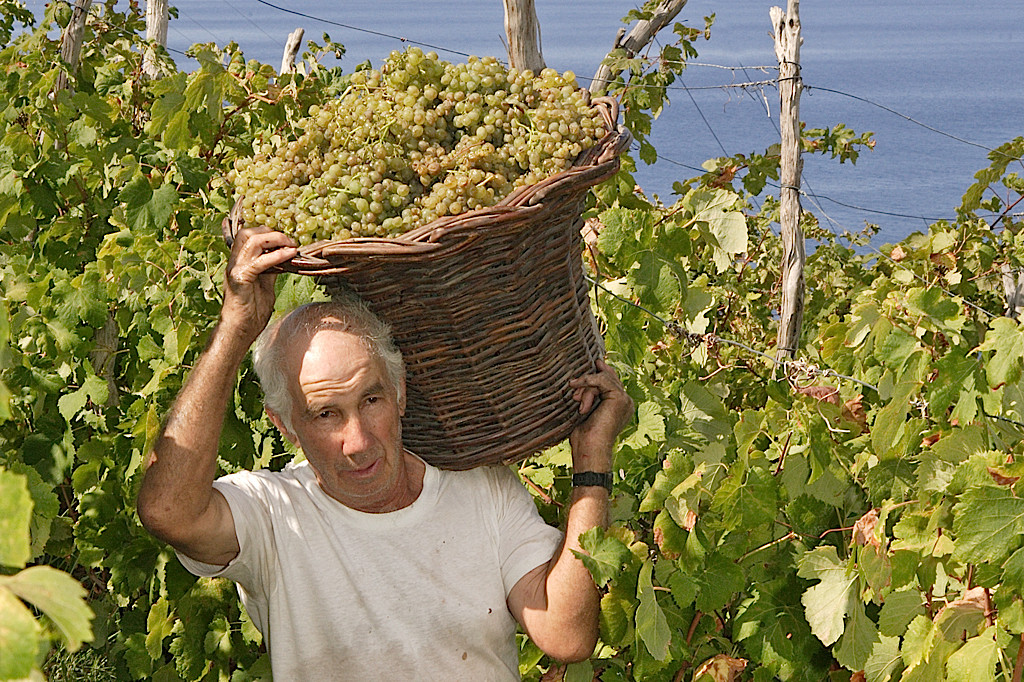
(961, 618)
(975, 661)
(19, 638)
(988, 523)
(15, 517)
(57, 595)
(826, 603)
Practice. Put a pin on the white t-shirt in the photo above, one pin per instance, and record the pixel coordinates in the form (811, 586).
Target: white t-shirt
(414, 594)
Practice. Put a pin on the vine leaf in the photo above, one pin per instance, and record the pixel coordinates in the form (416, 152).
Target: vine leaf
(57, 595)
(988, 523)
(147, 209)
(15, 518)
(898, 610)
(19, 638)
(975, 661)
(960, 618)
(651, 624)
(885, 656)
(1013, 572)
(827, 603)
(605, 555)
(858, 639)
(1007, 341)
(650, 426)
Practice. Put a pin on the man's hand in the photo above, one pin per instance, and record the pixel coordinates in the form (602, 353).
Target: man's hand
(593, 441)
(248, 287)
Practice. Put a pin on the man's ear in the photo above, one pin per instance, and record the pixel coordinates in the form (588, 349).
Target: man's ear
(279, 423)
(401, 396)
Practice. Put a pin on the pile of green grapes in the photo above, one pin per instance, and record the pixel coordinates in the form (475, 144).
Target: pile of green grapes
(419, 139)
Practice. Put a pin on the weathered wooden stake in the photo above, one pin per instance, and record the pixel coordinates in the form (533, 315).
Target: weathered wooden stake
(787, 50)
(523, 32)
(639, 36)
(71, 43)
(291, 48)
(1013, 289)
(156, 31)
(104, 354)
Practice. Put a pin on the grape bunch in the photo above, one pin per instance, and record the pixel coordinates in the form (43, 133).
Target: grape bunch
(416, 140)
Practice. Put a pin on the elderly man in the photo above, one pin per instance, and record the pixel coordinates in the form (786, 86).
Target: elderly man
(364, 562)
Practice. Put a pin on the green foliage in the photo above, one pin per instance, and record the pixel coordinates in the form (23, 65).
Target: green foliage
(111, 198)
(856, 511)
(43, 590)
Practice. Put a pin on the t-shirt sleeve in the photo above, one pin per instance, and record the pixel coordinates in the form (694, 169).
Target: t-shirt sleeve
(525, 541)
(252, 568)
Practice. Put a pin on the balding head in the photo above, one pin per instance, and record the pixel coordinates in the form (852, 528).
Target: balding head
(287, 338)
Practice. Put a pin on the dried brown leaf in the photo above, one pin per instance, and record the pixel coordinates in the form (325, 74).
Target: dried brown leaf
(827, 394)
(591, 229)
(853, 411)
(1001, 477)
(864, 530)
(720, 668)
(555, 673)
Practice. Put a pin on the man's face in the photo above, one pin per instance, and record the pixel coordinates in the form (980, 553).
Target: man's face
(346, 417)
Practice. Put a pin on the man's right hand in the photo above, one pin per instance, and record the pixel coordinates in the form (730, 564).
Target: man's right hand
(248, 287)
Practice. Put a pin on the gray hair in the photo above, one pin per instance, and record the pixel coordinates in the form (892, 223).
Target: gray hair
(348, 314)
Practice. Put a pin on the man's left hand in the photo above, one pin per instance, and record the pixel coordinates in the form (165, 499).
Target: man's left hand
(610, 408)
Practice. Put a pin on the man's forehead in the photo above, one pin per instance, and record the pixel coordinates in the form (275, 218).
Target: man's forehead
(324, 345)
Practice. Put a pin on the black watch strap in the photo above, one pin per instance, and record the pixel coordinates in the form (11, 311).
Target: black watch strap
(593, 478)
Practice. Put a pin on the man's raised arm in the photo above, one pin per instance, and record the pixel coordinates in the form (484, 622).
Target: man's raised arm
(558, 603)
(177, 502)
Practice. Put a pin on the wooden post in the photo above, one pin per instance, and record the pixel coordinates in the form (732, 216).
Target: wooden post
(1013, 289)
(523, 32)
(104, 354)
(71, 43)
(291, 48)
(156, 31)
(639, 36)
(787, 50)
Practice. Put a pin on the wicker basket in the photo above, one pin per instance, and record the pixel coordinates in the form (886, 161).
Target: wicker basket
(490, 310)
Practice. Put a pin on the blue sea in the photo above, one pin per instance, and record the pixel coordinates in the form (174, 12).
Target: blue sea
(938, 82)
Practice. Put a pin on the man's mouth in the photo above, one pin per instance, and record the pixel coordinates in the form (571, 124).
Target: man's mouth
(366, 471)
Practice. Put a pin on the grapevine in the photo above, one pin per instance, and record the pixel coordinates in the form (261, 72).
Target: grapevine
(414, 141)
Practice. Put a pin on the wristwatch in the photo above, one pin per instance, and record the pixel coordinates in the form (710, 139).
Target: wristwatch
(593, 478)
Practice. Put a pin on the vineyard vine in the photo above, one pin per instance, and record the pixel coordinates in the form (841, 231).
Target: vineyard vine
(851, 516)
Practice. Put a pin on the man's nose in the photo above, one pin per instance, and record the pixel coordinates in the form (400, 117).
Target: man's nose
(356, 438)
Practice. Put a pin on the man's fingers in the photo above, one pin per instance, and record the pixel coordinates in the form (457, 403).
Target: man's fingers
(590, 389)
(604, 381)
(257, 251)
(586, 397)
